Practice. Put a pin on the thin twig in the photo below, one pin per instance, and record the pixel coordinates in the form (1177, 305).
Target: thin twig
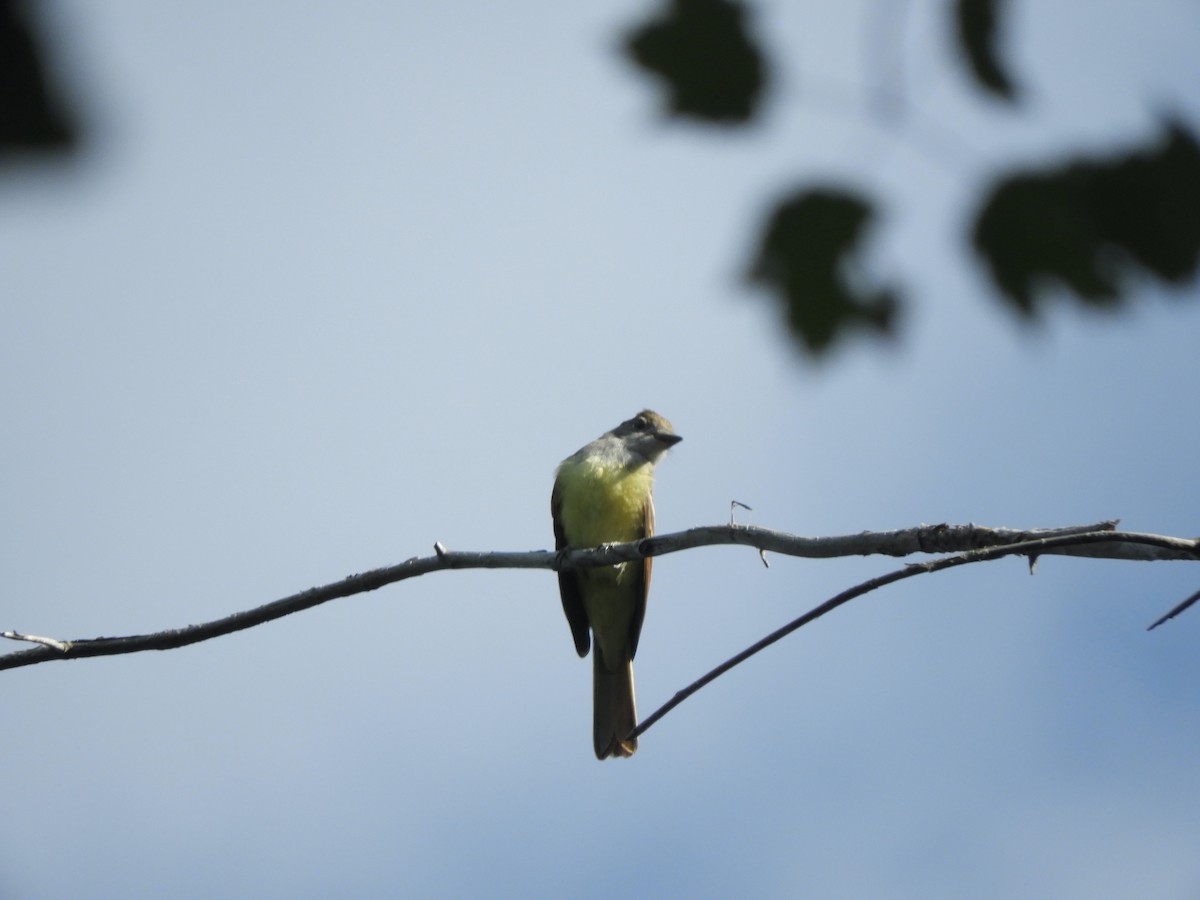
(1176, 611)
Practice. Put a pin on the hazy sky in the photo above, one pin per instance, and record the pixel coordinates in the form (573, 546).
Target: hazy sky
(331, 282)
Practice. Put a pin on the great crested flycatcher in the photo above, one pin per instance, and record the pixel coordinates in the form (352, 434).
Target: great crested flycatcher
(602, 495)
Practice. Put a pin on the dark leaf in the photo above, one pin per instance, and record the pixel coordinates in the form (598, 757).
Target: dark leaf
(1087, 224)
(807, 258)
(30, 115)
(976, 21)
(712, 68)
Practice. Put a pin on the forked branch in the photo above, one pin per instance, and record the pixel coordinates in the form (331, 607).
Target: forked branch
(1074, 544)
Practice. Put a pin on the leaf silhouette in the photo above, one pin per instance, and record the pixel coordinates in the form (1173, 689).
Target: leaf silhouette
(1090, 224)
(807, 258)
(701, 49)
(976, 20)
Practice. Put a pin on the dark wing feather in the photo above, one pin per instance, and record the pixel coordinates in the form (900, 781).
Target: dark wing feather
(568, 584)
(642, 584)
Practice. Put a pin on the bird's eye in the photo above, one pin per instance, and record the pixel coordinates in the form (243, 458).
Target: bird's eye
(640, 423)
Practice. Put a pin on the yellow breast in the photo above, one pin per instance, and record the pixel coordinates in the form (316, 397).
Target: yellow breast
(603, 504)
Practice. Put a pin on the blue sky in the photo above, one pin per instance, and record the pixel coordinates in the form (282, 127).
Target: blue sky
(330, 284)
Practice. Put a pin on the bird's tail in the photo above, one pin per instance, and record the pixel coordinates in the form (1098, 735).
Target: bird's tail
(613, 710)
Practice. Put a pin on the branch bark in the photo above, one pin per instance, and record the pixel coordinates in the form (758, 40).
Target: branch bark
(1096, 540)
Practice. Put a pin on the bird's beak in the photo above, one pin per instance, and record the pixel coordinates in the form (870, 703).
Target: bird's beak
(669, 439)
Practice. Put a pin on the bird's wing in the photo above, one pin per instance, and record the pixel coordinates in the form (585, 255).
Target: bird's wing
(642, 582)
(568, 583)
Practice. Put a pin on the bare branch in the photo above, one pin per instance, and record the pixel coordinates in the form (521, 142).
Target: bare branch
(1083, 540)
(921, 539)
(354, 584)
(1030, 548)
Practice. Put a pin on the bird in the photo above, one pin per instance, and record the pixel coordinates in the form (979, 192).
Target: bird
(603, 494)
